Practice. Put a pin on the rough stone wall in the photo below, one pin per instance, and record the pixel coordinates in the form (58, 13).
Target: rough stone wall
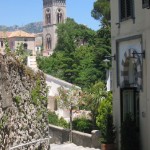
(23, 103)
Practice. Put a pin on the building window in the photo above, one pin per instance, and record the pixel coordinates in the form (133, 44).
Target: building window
(2, 43)
(126, 9)
(59, 16)
(146, 3)
(48, 42)
(48, 17)
(25, 40)
(25, 45)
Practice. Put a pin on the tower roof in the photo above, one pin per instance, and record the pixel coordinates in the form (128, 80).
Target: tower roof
(47, 3)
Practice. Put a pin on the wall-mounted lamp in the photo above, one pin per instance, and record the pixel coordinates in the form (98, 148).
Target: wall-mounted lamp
(135, 53)
(106, 60)
(110, 58)
(118, 24)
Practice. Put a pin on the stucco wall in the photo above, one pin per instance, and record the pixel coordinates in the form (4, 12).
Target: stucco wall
(29, 41)
(54, 84)
(125, 31)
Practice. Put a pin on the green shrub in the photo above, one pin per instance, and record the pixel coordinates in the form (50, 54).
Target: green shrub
(36, 95)
(82, 124)
(54, 119)
(104, 121)
(3, 121)
(63, 123)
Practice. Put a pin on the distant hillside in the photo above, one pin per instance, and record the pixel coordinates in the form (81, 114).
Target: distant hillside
(34, 27)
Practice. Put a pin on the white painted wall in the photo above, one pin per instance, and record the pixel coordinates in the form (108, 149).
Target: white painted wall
(109, 80)
(53, 84)
(124, 33)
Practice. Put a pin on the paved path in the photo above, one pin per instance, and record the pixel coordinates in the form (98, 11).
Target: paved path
(69, 146)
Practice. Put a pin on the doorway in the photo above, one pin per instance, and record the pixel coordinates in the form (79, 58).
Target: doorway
(130, 129)
(130, 104)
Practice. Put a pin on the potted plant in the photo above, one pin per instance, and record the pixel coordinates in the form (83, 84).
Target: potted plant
(104, 121)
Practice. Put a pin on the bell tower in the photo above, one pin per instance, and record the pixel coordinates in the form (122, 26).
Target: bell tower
(54, 12)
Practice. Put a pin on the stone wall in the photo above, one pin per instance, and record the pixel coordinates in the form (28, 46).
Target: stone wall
(58, 135)
(61, 135)
(23, 103)
(80, 138)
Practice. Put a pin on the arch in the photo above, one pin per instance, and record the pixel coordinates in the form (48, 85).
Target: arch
(132, 69)
(48, 42)
(59, 16)
(47, 16)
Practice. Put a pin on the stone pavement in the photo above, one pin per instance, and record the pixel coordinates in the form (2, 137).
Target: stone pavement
(69, 146)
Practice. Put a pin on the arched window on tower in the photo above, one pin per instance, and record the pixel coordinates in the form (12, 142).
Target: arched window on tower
(59, 16)
(48, 16)
(48, 42)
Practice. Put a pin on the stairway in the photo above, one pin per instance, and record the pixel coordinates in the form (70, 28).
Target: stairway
(69, 146)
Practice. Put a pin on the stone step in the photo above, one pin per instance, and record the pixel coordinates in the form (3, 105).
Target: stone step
(69, 146)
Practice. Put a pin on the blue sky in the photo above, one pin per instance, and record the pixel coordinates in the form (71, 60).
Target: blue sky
(21, 12)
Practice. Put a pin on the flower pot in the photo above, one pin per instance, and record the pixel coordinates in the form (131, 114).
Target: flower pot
(107, 146)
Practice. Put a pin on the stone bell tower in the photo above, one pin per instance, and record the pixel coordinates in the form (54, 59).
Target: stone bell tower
(54, 12)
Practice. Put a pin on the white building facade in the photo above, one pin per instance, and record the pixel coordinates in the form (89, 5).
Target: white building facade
(53, 90)
(130, 30)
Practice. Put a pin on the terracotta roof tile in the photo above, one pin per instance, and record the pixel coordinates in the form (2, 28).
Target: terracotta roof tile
(20, 33)
(4, 34)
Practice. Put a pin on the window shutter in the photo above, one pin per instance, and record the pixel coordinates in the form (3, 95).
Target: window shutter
(126, 9)
(146, 3)
(122, 9)
(132, 9)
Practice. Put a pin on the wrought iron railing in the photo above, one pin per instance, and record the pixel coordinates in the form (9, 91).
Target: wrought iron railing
(33, 142)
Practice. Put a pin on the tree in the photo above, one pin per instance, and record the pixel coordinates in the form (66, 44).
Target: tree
(102, 49)
(79, 54)
(72, 35)
(7, 48)
(104, 121)
(21, 53)
(69, 99)
(93, 97)
(86, 71)
(101, 11)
